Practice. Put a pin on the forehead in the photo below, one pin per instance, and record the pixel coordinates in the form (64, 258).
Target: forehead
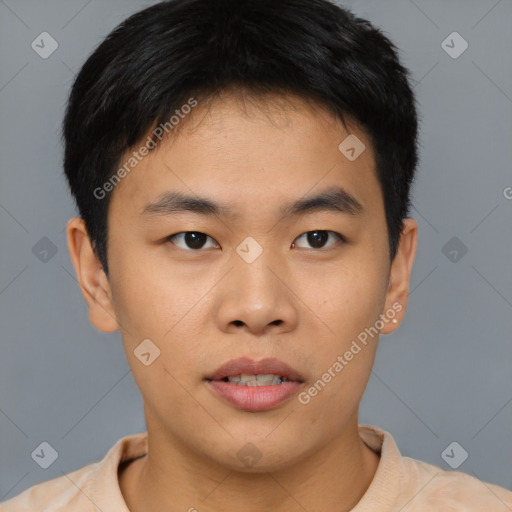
(247, 151)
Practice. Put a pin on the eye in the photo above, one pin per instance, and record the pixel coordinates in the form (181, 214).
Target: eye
(194, 240)
(319, 237)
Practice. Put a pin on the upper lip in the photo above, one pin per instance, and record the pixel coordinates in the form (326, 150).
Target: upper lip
(244, 365)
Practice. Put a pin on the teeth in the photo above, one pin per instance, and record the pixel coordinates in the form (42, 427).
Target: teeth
(268, 379)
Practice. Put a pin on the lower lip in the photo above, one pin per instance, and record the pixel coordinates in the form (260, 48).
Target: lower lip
(254, 398)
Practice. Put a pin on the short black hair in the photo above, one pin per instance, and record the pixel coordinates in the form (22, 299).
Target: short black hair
(159, 58)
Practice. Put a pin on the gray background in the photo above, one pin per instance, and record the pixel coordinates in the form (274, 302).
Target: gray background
(443, 377)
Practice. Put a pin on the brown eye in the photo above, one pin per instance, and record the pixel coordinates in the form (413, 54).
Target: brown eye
(191, 240)
(318, 238)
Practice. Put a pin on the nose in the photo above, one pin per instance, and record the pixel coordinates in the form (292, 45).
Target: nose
(257, 297)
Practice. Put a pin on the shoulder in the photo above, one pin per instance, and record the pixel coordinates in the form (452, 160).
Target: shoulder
(91, 488)
(430, 487)
(409, 485)
(55, 495)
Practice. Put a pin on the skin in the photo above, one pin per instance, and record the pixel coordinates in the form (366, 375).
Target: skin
(203, 307)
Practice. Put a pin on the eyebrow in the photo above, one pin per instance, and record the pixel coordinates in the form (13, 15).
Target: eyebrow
(334, 199)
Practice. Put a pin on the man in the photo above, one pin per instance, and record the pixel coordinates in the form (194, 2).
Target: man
(242, 169)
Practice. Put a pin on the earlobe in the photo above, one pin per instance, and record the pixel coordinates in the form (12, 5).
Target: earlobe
(91, 277)
(398, 288)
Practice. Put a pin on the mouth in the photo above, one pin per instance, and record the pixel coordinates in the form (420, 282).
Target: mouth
(255, 385)
(262, 379)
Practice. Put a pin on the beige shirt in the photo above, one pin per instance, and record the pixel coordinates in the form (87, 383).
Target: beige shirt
(400, 484)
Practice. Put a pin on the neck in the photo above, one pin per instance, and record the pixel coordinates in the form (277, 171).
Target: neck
(169, 478)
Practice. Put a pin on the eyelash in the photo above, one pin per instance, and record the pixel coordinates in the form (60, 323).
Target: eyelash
(339, 237)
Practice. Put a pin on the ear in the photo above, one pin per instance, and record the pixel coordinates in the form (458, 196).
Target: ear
(91, 277)
(398, 288)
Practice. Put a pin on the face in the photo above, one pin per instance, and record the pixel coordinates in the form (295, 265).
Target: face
(279, 256)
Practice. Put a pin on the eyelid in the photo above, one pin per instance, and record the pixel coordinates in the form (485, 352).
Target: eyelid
(170, 237)
(340, 239)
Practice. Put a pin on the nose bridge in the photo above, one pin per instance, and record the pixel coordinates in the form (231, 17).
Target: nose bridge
(252, 268)
(253, 295)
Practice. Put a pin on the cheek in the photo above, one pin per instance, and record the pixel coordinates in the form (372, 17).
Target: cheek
(152, 306)
(167, 307)
(148, 298)
(347, 297)
(349, 306)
